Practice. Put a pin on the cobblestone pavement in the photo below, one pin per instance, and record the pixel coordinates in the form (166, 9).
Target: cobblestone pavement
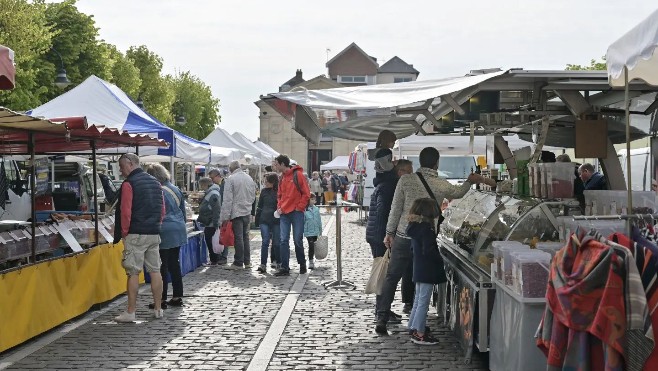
(227, 314)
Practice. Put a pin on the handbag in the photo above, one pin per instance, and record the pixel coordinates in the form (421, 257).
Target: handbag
(226, 236)
(322, 247)
(378, 273)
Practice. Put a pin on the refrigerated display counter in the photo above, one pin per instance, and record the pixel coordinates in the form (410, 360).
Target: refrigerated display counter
(471, 224)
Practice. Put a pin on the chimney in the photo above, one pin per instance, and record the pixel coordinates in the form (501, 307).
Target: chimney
(298, 74)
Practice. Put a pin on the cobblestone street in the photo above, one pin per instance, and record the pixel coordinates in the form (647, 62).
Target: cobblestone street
(234, 320)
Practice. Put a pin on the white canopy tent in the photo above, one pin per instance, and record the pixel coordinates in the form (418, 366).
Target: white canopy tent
(104, 104)
(633, 56)
(266, 148)
(265, 156)
(338, 163)
(221, 138)
(223, 156)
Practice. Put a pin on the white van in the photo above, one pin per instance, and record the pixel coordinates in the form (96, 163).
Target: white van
(640, 168)
(455, 169)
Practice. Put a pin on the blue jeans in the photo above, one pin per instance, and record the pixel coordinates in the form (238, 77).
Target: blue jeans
(418, 315)
(269, 232)
(295, 220)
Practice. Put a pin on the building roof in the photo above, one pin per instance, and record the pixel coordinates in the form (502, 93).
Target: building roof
(397, 65)
(352, 45)
(320, 80)
(296, 80)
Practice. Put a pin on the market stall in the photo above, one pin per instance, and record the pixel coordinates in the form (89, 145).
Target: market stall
(52, 280)
(566, 109)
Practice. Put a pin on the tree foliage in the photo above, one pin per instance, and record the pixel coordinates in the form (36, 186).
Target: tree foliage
(593, 65)
(157, 93)
(48, 36)
(194, 101)
(24, 29)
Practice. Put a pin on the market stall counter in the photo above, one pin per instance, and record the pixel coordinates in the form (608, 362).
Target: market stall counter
(471, 224)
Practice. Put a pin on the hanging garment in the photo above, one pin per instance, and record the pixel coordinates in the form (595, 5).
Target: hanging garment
(594, 292)
(646, 259)
(4, 185)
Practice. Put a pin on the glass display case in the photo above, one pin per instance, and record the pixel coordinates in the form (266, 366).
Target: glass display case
(474, 221)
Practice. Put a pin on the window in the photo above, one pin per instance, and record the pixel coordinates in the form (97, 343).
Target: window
(352, 79)
(401, 79)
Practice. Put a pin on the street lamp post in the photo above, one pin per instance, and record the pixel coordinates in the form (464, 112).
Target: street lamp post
(61, 81)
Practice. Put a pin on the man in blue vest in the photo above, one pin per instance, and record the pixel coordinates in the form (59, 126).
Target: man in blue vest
(139, 213)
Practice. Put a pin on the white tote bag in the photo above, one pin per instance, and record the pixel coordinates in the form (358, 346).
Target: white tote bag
(321, 247)
(217, 247)
(378, 274)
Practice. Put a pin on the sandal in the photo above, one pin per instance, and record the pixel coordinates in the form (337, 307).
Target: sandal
(163, 305)
(176, 302)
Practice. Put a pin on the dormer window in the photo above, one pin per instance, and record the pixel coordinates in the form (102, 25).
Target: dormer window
(401, 79)
(352, 79)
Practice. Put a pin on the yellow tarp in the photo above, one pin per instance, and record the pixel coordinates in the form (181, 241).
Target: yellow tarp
(40, 297)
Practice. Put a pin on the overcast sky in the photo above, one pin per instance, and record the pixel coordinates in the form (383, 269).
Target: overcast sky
(243, 49)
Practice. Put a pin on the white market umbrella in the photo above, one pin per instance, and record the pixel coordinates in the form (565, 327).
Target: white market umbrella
(633, 56)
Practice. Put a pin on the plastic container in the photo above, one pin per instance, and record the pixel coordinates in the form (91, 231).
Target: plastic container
(498, 247)
(530, 273)
(549, 247)
(502, 250)
(562, 179)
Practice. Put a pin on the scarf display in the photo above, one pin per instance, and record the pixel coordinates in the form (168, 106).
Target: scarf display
(596, 315)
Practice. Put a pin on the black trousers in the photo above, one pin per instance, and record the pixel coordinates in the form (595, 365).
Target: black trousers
(311, 246)
(407, 287)
(171, 264)
(401, 258)
(208, 232)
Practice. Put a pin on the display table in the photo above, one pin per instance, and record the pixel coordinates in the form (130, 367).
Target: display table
(42, 296)
(514, 321)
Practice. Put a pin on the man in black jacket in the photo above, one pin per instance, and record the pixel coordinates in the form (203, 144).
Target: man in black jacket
(380, 207)
(139, 213)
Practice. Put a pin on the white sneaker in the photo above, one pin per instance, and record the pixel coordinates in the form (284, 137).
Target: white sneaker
(158, 313)
(311, 265)
(125, 317)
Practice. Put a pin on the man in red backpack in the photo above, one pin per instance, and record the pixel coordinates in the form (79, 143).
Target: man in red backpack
(293, 196)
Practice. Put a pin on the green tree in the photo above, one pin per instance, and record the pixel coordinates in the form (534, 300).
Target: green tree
(24, 29)
(157, 93)
(593, 65)
(125, 74)
(194, 101)
(77, 41)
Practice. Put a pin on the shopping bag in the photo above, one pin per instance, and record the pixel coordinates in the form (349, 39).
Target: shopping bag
(217, 247)
(226, 236)
(321, 247)
(378, 274)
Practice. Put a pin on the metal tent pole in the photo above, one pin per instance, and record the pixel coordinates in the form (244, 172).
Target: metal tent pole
(628, 150)
(33, 194)
(94, 169)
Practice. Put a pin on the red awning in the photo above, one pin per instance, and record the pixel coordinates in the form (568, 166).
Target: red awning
(7, 69)
(65, 135)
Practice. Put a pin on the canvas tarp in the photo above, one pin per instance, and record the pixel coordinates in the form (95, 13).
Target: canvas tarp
(103, 103)
(636, 51)
(338, 163)
(362, 112)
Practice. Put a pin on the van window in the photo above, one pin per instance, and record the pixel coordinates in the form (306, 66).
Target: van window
(450, 167)
(640, 172)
